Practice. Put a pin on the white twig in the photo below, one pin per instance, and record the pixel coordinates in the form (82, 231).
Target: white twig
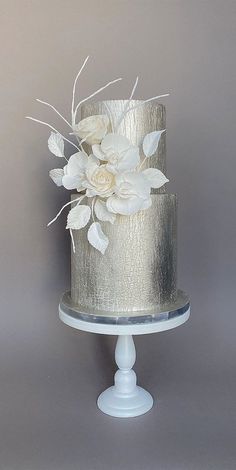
(81, 142)
(72, 240)
(92, 208)
(127, 104)
(141, 164)
(146, 101)
(81, 145)
(53, 128)
(134, 88)
(94, 94)
(74, 86)
(63, 207)
(84, 139)
(56, 111)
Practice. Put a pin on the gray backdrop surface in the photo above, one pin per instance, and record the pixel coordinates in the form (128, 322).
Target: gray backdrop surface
(51, 375)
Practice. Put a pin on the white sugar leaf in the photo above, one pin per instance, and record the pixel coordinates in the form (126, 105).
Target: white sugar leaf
(97, 238)
(56, 175)
(56, 144)
(155, 177)
(78, 217)
(103, 213)
(150, 142)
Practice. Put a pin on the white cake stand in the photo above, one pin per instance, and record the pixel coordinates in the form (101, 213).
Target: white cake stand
(125, 399)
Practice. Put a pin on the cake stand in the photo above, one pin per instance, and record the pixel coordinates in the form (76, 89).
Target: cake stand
(125, 398)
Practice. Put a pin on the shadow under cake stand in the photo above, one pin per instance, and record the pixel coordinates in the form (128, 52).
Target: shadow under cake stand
(125, 399)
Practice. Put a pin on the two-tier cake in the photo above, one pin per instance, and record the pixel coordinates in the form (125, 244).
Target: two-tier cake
(121, 220)
(138, 270)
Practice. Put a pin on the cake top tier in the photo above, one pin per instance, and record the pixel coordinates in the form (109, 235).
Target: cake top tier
(141, 119)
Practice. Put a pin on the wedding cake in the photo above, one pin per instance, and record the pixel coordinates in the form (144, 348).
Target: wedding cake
(122, 222)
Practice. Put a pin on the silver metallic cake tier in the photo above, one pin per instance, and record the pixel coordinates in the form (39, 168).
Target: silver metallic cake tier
(138, 270)
(167, 312)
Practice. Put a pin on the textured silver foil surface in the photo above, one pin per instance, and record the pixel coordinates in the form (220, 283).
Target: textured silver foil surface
(136, 124)
(138, 270)
(160, 314)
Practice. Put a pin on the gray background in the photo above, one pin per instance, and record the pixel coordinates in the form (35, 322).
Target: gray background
(51, 375)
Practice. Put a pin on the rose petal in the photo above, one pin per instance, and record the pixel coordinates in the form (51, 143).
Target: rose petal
(97, 151)
(146, 204)
(124, 206)
(93, 128)
(76, 164)
(132, 184)
(127, 161)
(92, 165)
(71, 182)
(102, 213)
(115, 143)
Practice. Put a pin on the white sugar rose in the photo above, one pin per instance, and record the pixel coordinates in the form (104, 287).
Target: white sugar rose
(92, 129)
(98, 179)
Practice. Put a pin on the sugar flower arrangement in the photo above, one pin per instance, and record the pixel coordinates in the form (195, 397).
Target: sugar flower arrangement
(109, 177)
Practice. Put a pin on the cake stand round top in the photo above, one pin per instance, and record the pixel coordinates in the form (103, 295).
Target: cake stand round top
(125, 323)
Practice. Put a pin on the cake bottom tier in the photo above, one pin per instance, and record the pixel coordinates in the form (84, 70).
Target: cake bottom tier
(138, 270)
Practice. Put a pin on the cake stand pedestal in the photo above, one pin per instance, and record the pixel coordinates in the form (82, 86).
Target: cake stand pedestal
(125, 398)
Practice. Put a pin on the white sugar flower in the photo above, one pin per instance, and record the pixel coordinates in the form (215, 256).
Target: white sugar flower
(132, 193)
(92, 129)
(74, 171)
(84, 172)
(119, 153)
(98, 179)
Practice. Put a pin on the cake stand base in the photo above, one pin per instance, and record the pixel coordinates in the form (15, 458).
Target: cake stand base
(125, 399)
(125, 406)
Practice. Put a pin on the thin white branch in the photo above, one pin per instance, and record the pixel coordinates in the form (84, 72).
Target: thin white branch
(141, 164)
(94, 94)
(72, 240)
(146, 101)
(81, 144)
(92, 208)
(85, 138)
(56, 111)
(63, 207)
(127, 104)
(134, 88)
(74, 86)
(53, 128)
(80, 141)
